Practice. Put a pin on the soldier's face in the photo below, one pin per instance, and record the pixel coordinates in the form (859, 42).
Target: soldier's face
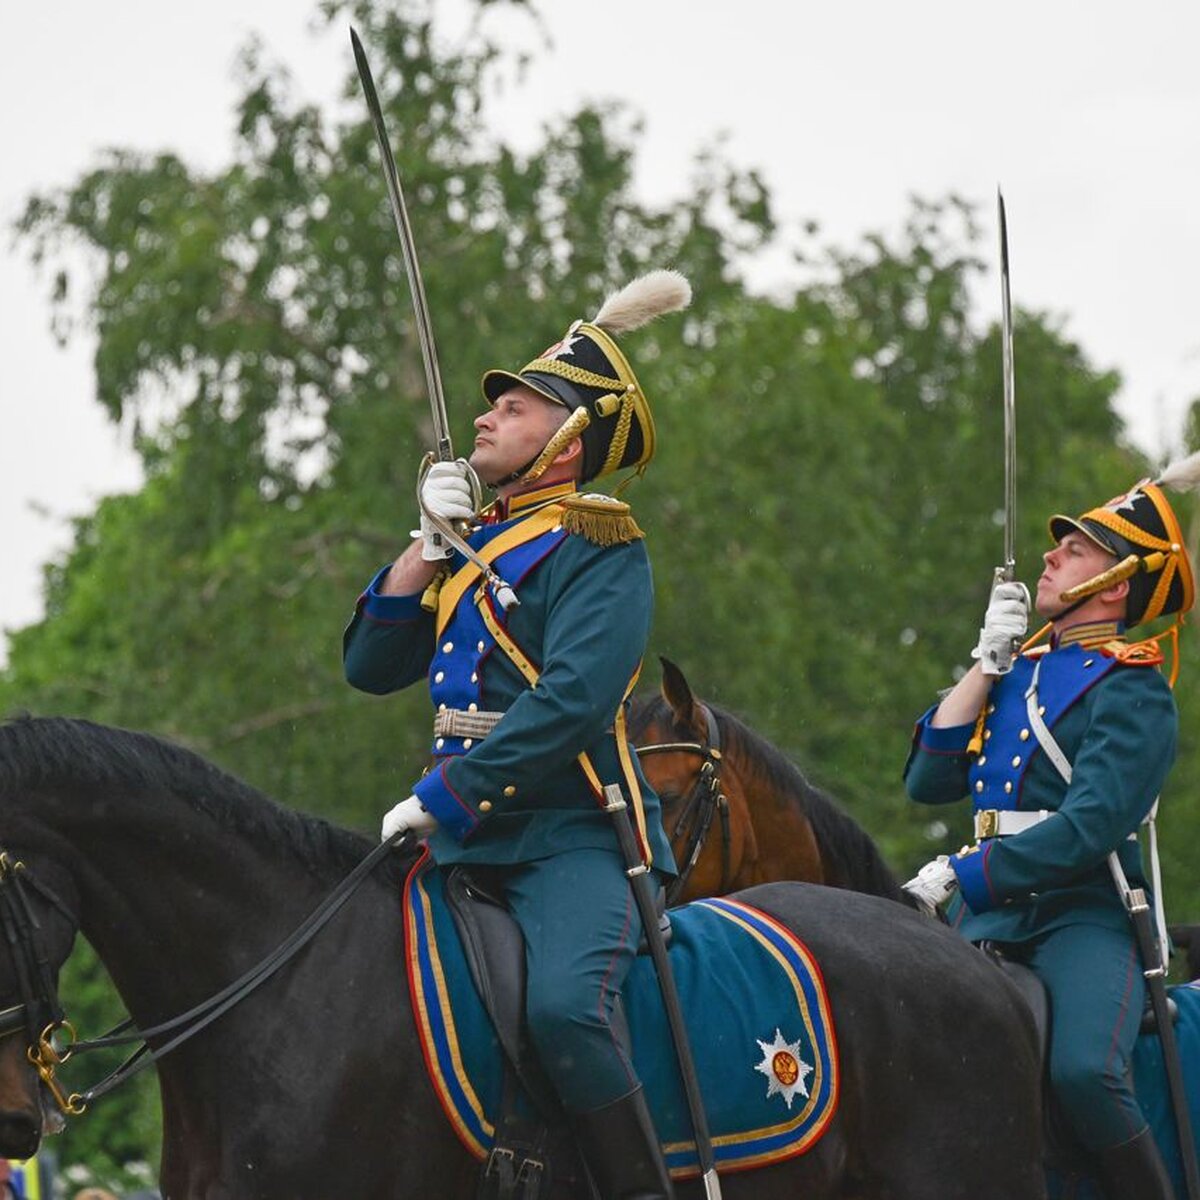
(512, 432)
(1073, 561)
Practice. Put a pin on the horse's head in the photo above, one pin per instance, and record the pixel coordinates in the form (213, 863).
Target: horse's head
(704, 808)
(36, 913)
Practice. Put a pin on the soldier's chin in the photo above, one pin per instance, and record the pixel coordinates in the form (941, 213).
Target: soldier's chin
(1051, 608)
(1047, 604)
(488, 474)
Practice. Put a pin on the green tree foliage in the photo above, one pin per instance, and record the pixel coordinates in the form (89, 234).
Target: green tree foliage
(824, 515)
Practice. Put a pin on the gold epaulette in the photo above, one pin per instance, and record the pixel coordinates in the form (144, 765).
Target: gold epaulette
(601, 519)
(1135, 654)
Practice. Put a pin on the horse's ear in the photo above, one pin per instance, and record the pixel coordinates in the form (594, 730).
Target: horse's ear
(678, 694)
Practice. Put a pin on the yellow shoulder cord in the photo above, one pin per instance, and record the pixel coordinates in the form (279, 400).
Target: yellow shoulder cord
(453, 590)
(522, 662)
(1173, 633)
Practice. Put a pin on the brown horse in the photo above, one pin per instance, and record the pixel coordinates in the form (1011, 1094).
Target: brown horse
(737, 810)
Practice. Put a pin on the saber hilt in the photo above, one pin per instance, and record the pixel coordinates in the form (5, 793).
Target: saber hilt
(505, 595)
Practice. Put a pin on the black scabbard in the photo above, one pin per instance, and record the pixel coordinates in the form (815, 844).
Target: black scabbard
(639, 880)
(1148, 948)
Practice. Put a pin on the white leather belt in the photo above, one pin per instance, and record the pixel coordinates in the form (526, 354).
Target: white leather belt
(1003, 822)
(458, 722)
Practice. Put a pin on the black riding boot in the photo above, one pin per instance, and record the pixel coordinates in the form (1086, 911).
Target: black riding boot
(621, 1150)
(1134, 1170)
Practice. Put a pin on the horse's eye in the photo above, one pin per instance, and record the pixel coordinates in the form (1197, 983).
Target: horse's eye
(669, 799)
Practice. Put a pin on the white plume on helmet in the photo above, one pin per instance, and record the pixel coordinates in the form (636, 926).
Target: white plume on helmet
(1182, 475)
(642, 299)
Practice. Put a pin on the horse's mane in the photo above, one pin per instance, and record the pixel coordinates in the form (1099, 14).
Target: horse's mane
(67, 753)
(851, 857)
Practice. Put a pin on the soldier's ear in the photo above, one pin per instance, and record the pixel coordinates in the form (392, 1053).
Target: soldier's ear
(1118, 593)
(678, 694)
(570, 452)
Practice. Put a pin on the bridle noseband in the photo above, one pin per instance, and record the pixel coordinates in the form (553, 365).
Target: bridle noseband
(705, 799)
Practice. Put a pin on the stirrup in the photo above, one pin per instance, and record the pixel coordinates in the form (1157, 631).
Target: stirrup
(504, 1178)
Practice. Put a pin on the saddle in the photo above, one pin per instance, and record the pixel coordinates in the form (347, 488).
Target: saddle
(527, 1143)
(764, 1042)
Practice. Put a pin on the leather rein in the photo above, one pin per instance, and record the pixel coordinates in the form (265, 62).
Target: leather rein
(703, 802)
(51, 1037)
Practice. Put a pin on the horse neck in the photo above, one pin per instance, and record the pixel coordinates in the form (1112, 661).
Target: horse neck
(172, 903)
(804, 834)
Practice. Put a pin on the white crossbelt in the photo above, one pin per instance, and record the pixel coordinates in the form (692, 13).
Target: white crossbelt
(1059, 759)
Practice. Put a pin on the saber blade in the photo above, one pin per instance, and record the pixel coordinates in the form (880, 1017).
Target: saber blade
(1010, 404)
(433, 377)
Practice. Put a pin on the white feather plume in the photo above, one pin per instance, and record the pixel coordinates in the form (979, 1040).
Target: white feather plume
(643, 299)
(1184, 475)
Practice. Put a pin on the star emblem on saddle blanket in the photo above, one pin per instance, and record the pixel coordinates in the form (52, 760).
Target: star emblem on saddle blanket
(786, 1071)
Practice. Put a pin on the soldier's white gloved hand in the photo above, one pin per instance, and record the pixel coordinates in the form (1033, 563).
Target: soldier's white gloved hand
(933, 885)
(409, 815)
(446, 492)
(1004, 627)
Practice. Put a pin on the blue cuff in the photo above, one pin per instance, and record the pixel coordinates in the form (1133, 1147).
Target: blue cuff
(394, 610)
(948, 739)
(973, 880)
(453, 813)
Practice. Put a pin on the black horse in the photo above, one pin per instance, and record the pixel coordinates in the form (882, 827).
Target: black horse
(182, 878)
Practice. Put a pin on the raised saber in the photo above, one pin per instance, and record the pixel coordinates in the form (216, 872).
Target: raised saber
(433, 376)
(412, 267)
(1008, 571)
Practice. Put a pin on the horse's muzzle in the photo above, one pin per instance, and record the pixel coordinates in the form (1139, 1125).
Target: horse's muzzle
(20, 1133)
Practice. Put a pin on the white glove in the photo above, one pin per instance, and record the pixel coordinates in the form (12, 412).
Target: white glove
(1004, 627)
(446, 492)
(409, 815)
(933, 885)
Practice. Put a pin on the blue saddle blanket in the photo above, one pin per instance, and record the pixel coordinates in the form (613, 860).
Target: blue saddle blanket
(1150, 1083)
(757, 1014)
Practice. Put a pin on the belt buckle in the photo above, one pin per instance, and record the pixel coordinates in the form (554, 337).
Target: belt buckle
(987, 823)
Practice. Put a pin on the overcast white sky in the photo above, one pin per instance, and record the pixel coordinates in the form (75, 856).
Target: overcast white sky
(1087, 111)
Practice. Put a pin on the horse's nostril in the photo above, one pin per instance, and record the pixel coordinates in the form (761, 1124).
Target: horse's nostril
(19, 1135)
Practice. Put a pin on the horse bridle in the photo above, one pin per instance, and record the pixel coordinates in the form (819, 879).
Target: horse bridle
(703, 801)
(41, 1017)
(39, 1014)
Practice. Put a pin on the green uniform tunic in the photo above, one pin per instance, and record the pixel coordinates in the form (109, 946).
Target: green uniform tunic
(518, 797)
(1046, 893)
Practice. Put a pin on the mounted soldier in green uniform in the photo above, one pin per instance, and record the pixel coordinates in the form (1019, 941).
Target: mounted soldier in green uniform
(1063, 750)
(530, 696)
